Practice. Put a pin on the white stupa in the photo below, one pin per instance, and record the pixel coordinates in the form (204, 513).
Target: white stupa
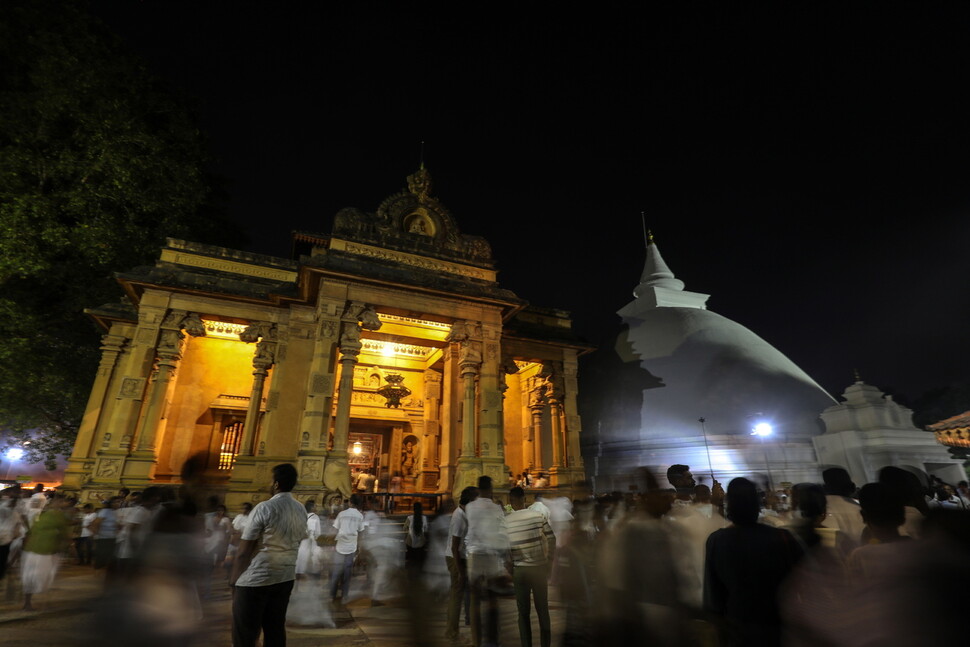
(698, 364)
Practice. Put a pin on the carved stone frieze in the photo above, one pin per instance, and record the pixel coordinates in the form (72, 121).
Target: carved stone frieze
(328, 328)
(311, 470)
(108, 468)
(491, 352)
(132, 388)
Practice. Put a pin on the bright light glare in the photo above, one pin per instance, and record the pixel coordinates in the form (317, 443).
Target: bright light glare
(15, 453)
(762, 429)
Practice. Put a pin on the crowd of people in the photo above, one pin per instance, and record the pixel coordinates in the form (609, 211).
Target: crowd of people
(824, 563)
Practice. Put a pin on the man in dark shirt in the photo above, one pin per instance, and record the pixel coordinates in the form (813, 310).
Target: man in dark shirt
(746, 564)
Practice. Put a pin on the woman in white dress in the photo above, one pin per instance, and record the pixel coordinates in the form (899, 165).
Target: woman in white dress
(306, 603)
(308, 557)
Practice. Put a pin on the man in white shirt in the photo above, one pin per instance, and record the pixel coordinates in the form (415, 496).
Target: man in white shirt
(349, 524)
(265, 566)
(488, 554)
(531, 543)
(456, 559)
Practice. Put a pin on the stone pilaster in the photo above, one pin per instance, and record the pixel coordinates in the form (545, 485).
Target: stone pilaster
(554, 395)
(450, 406)
(134, 370)
(81, 462)
(356, 316)
(430, 472)
(247, 472)
(537, 405)
(469, 466)
(573, 428)
(318, 404)
(140, 466)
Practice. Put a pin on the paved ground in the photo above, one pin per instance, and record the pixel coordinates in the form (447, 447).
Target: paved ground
(76, 612)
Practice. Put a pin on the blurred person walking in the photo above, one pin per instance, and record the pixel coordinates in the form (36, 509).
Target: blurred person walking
(531, 542)
(104, 529)
(487, 544)
(47, 538)
(11, 525)
(456, 559)
(415, 540)
(349, 524)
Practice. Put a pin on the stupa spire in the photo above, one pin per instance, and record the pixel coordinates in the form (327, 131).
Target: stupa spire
(655, 271)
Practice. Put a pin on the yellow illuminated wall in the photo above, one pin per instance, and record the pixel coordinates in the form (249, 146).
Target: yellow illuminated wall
(210, 367)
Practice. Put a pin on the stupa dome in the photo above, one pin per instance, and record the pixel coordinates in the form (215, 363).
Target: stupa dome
(709, 366)
(694, 386)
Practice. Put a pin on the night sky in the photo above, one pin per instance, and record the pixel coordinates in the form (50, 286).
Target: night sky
(808, 167)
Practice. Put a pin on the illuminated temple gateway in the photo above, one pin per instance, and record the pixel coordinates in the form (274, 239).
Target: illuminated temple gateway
(388, 344)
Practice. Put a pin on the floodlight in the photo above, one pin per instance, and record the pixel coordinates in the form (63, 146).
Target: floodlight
(15, 453)
(762, 429)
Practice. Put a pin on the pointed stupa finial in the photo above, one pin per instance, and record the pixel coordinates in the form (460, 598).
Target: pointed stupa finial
(855, 372)
(421, 156)
(655, 270)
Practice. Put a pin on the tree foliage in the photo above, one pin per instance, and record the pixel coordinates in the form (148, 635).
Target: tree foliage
(99, 162)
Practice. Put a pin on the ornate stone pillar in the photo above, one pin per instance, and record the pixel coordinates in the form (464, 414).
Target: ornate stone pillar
(140, 467)
(490, 381)
(355, 317)
(554, 394)
(264, 336)
(432, 428)
(83, 452)
(469, 366)
(320, 386)
(169, 353)
(574, 458)
(537, 404)
(450, 429)
(349, 351)
(133, 371)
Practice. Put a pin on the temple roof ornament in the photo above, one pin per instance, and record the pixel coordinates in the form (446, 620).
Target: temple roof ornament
(414, 222)
(419, 183)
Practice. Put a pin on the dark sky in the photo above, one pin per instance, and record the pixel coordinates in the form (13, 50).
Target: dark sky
(806, 166)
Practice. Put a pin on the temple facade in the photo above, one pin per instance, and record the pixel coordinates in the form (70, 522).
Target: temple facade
(387, 344)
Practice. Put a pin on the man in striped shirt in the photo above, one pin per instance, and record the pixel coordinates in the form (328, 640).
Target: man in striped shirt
(531, 542)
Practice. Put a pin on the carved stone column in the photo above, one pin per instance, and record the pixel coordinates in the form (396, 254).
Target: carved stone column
(264, 336)
(574, 458)
(83, 452)
(469, 365)
(537, 404)
(355, 317)
(490, 423)
(139, 469)
(432, 428)
(554, 394)
(450, 428)
(318, 406)
(349, 351)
